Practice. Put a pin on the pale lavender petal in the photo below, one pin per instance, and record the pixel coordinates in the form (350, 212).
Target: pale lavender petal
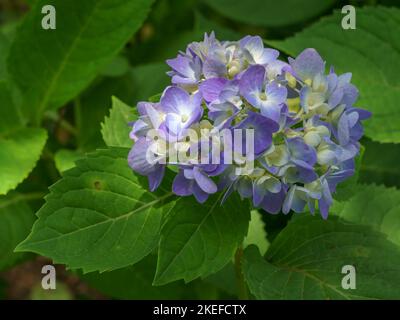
(272, 202)
(276, 93)
(251, 84)
(137, 157)
(204, 182)
(155, 178)
(308, 64)
(245, 187)
(182, 186)
(211, 88)
(199, 194)
(214, 68)
(174, 99)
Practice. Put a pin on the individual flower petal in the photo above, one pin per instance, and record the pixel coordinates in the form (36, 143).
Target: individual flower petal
(211, 88)
(214, 68)
(272, 202)
(203, 181)
(253, 48)
(262, 129)
(186, 70)
(182, 186)
(181, 109)
(299, 150)
(251, 84)
(138, 158)
(272, 101)
(307, 65)
(155, 178)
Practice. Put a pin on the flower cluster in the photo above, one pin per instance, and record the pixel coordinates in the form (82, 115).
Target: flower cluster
(306, 129)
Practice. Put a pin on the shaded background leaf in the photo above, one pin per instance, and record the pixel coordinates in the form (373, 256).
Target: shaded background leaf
(64, 61)
(16, 220)
(305, 261)
(270, 13)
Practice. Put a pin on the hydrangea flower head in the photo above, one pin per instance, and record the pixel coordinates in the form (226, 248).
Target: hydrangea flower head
(290, 129)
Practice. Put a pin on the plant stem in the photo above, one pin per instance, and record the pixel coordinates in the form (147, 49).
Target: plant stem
(63, 123)
(23, 197)
(240, 282)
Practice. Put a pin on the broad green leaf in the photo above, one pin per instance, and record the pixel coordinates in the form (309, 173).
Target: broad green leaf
(64, 61)
(371, 53)
(30, 2)
(135, 283)
(100, 216)
(65, 159)
(16, 220)
(256, 234)
(270, 13)
(225, 279)
(19, 152)
(200, 239)
(4, 48)
(274, 223)
(117, 67)
(149, 79)
(10, 115)
(305, 261)
(204, 25)
(115, 129)
(180, 41)
(380, 164)
(374, 206)
(7, 35)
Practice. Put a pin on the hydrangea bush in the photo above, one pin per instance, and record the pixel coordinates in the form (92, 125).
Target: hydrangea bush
(306, 127)
(154, 173)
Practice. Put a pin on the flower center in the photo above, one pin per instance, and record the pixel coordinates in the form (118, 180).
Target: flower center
(263, 96)
(184, 118)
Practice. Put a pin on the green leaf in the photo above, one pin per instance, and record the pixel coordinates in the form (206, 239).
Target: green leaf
(371, 53)
(256, 234)
(19, 152)
(135, 283)
(149, 79)
(64, 61)
(224, 279)
(270, 13)
(10, 115)
(380, 164)
(203, 25)
(117, 67)
(16, 220)
(200, 239)
(374, 206)
(65, 159)
(100, 216)
(115, 129)
(306, 259)
(4, 49)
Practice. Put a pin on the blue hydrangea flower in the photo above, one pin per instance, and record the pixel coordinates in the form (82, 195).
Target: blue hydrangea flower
(304, 121)
(181, 110)
(268, 97)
